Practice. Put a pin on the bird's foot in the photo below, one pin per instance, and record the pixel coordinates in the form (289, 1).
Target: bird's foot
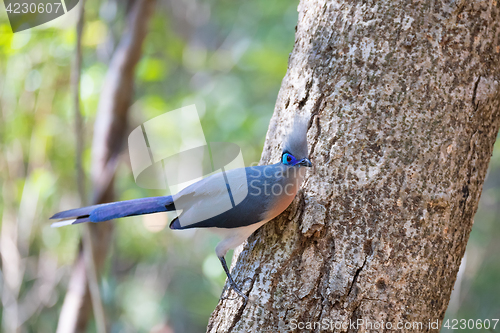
(232, 284)
(238, 291)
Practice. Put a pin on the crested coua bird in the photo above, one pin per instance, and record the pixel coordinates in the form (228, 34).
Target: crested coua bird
(265, 191)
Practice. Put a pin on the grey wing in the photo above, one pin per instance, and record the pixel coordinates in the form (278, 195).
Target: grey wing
(232, 200)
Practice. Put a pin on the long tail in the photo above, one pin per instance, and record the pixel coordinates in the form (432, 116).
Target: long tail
(109, 211)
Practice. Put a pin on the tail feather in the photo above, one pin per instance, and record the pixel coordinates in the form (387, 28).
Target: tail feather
(109, 211)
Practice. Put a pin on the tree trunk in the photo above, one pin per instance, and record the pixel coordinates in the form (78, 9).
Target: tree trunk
(406, 112)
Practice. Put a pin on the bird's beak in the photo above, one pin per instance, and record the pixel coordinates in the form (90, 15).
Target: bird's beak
(305, 162)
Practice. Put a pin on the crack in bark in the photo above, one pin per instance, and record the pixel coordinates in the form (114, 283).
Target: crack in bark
(470, 158)
(303, 101)
(315, 112)
(356, 275)
(315, 142)
(474, 94)
(300, 208)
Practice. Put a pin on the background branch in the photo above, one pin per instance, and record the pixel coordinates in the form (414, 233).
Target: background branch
(109, 134)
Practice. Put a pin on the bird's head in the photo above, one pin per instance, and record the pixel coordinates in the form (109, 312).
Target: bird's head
(295, 146)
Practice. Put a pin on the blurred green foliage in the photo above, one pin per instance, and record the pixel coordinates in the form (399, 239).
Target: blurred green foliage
(228, 58)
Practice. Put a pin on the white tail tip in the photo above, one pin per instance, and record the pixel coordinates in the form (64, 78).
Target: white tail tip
(62, 223)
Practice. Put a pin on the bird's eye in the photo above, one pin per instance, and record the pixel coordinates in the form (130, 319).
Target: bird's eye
(288, 159)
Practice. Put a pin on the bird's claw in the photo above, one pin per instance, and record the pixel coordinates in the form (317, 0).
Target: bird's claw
(238, 291)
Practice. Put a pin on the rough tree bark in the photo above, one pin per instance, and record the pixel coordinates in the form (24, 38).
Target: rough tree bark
(109, 135)
(406, 111)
